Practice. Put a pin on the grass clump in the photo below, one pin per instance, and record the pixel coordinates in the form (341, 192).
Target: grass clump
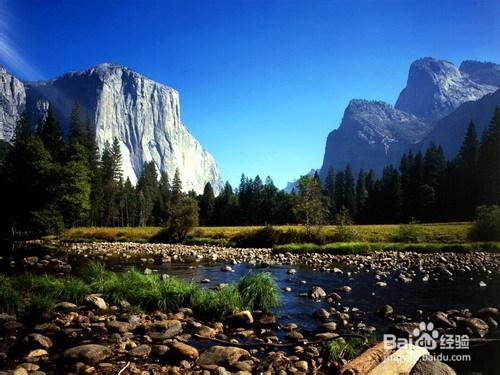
(9, 298)
(217, 303)
(145, 292)
(342, 349)
(259, 291)
(39, 307)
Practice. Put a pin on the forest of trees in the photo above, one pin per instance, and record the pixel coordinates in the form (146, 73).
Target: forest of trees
(51, 181)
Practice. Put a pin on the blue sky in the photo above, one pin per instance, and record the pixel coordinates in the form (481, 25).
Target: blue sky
(262, 83)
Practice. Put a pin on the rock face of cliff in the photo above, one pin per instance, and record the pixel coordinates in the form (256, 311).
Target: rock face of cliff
(372, 134)
(436, 87)
(12, 103)
(142, 114)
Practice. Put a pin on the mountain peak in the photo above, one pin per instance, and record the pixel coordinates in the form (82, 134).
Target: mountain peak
(437, 87)
(486, 73)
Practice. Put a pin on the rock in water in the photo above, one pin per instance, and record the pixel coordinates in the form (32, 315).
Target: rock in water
(142, 114)
(89, 353)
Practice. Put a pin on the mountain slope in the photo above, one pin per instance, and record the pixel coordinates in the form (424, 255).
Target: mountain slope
(144, 115)
(371, 135)
(449, 132)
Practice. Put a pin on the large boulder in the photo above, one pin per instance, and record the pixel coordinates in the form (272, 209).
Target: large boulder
(88, 353)
(164, 329)
(223, 356)
(430, 366)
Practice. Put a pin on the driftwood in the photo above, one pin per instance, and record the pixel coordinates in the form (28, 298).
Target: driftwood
(367, 360)
(279, 345)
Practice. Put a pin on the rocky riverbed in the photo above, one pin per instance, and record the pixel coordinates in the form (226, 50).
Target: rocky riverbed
(323, 296)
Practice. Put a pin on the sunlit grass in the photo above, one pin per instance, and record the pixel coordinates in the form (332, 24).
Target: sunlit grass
(435, 232)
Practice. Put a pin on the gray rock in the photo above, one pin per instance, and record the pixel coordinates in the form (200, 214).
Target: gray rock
(141, 351)
(316, 293)
(88, 353)
(165, 329)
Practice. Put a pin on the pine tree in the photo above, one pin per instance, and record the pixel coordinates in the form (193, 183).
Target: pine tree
(207, 205)
(147, 187)
(489, 162)
(349, 192)
(51, 135)
(361, 194)
(176, 193)
(329, 192)
(339, 191)
(465, 175)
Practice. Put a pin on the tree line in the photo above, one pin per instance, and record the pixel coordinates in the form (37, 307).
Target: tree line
(51, 181)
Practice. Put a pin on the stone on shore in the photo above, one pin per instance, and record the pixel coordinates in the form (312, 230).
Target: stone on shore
(223, 356)
(88, 353)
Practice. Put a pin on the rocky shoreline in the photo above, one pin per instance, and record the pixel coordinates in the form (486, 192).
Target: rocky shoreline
(439, 264)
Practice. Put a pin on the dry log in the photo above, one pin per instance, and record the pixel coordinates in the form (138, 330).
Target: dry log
(367, 360)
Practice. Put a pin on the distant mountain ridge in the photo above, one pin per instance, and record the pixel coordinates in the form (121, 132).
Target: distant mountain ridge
(142, 114)
(436, 105)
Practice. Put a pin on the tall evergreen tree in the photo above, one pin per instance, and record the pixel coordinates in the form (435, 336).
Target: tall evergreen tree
(51, 135)
(207, 205)
(489, 162)
(349, 192)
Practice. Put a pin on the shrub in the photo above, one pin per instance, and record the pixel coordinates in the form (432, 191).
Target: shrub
(264, 237)
(344, 233)
(487, 224)
(183, 217)
(409, 233)
(259, 291)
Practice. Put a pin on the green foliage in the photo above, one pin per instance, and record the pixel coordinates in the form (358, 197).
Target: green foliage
(259, 291)
(487, 224)
(183, 217)
(9, 298)
(343, 231)
(309, 205)
(342, 349)
(409, 233)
